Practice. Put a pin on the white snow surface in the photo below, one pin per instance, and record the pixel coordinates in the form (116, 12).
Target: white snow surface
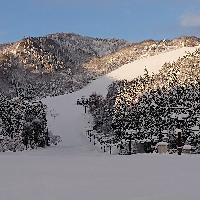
(76, 170)
(33, 176)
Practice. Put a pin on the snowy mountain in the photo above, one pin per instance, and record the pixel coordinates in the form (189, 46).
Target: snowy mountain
(108, 63)
(69, 121)
(65, 62)
(52, 64)
(61, 63)
(76, 169)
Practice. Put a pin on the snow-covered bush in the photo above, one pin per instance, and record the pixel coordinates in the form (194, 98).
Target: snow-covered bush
(23, 124)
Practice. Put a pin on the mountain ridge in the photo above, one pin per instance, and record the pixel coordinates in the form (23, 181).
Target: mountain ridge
(65, 62)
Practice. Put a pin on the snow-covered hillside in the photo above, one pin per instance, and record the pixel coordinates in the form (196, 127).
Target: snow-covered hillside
(68, 120)
(75, 170)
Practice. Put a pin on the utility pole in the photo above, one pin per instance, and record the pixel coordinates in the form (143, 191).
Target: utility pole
(85, 108)
(110, 148)
(94, 140)
(179, 144)
(130, 142)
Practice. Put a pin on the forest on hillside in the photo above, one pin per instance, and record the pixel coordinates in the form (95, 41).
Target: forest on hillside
(152, 108)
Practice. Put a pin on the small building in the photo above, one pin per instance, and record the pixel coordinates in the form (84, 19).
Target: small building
(187, 149)
(162, 147)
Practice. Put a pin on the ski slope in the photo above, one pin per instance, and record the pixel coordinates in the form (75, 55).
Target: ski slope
(69, 120)
(74, 170)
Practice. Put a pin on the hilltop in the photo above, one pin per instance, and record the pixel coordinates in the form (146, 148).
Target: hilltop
(65, 62)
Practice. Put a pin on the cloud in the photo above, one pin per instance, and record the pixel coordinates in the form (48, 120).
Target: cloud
(190, 20)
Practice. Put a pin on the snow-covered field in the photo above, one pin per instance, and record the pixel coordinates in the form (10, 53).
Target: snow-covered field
(98, 177)
(75, 170)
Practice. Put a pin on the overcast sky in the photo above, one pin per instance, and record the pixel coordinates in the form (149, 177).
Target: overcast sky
(133, 20)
